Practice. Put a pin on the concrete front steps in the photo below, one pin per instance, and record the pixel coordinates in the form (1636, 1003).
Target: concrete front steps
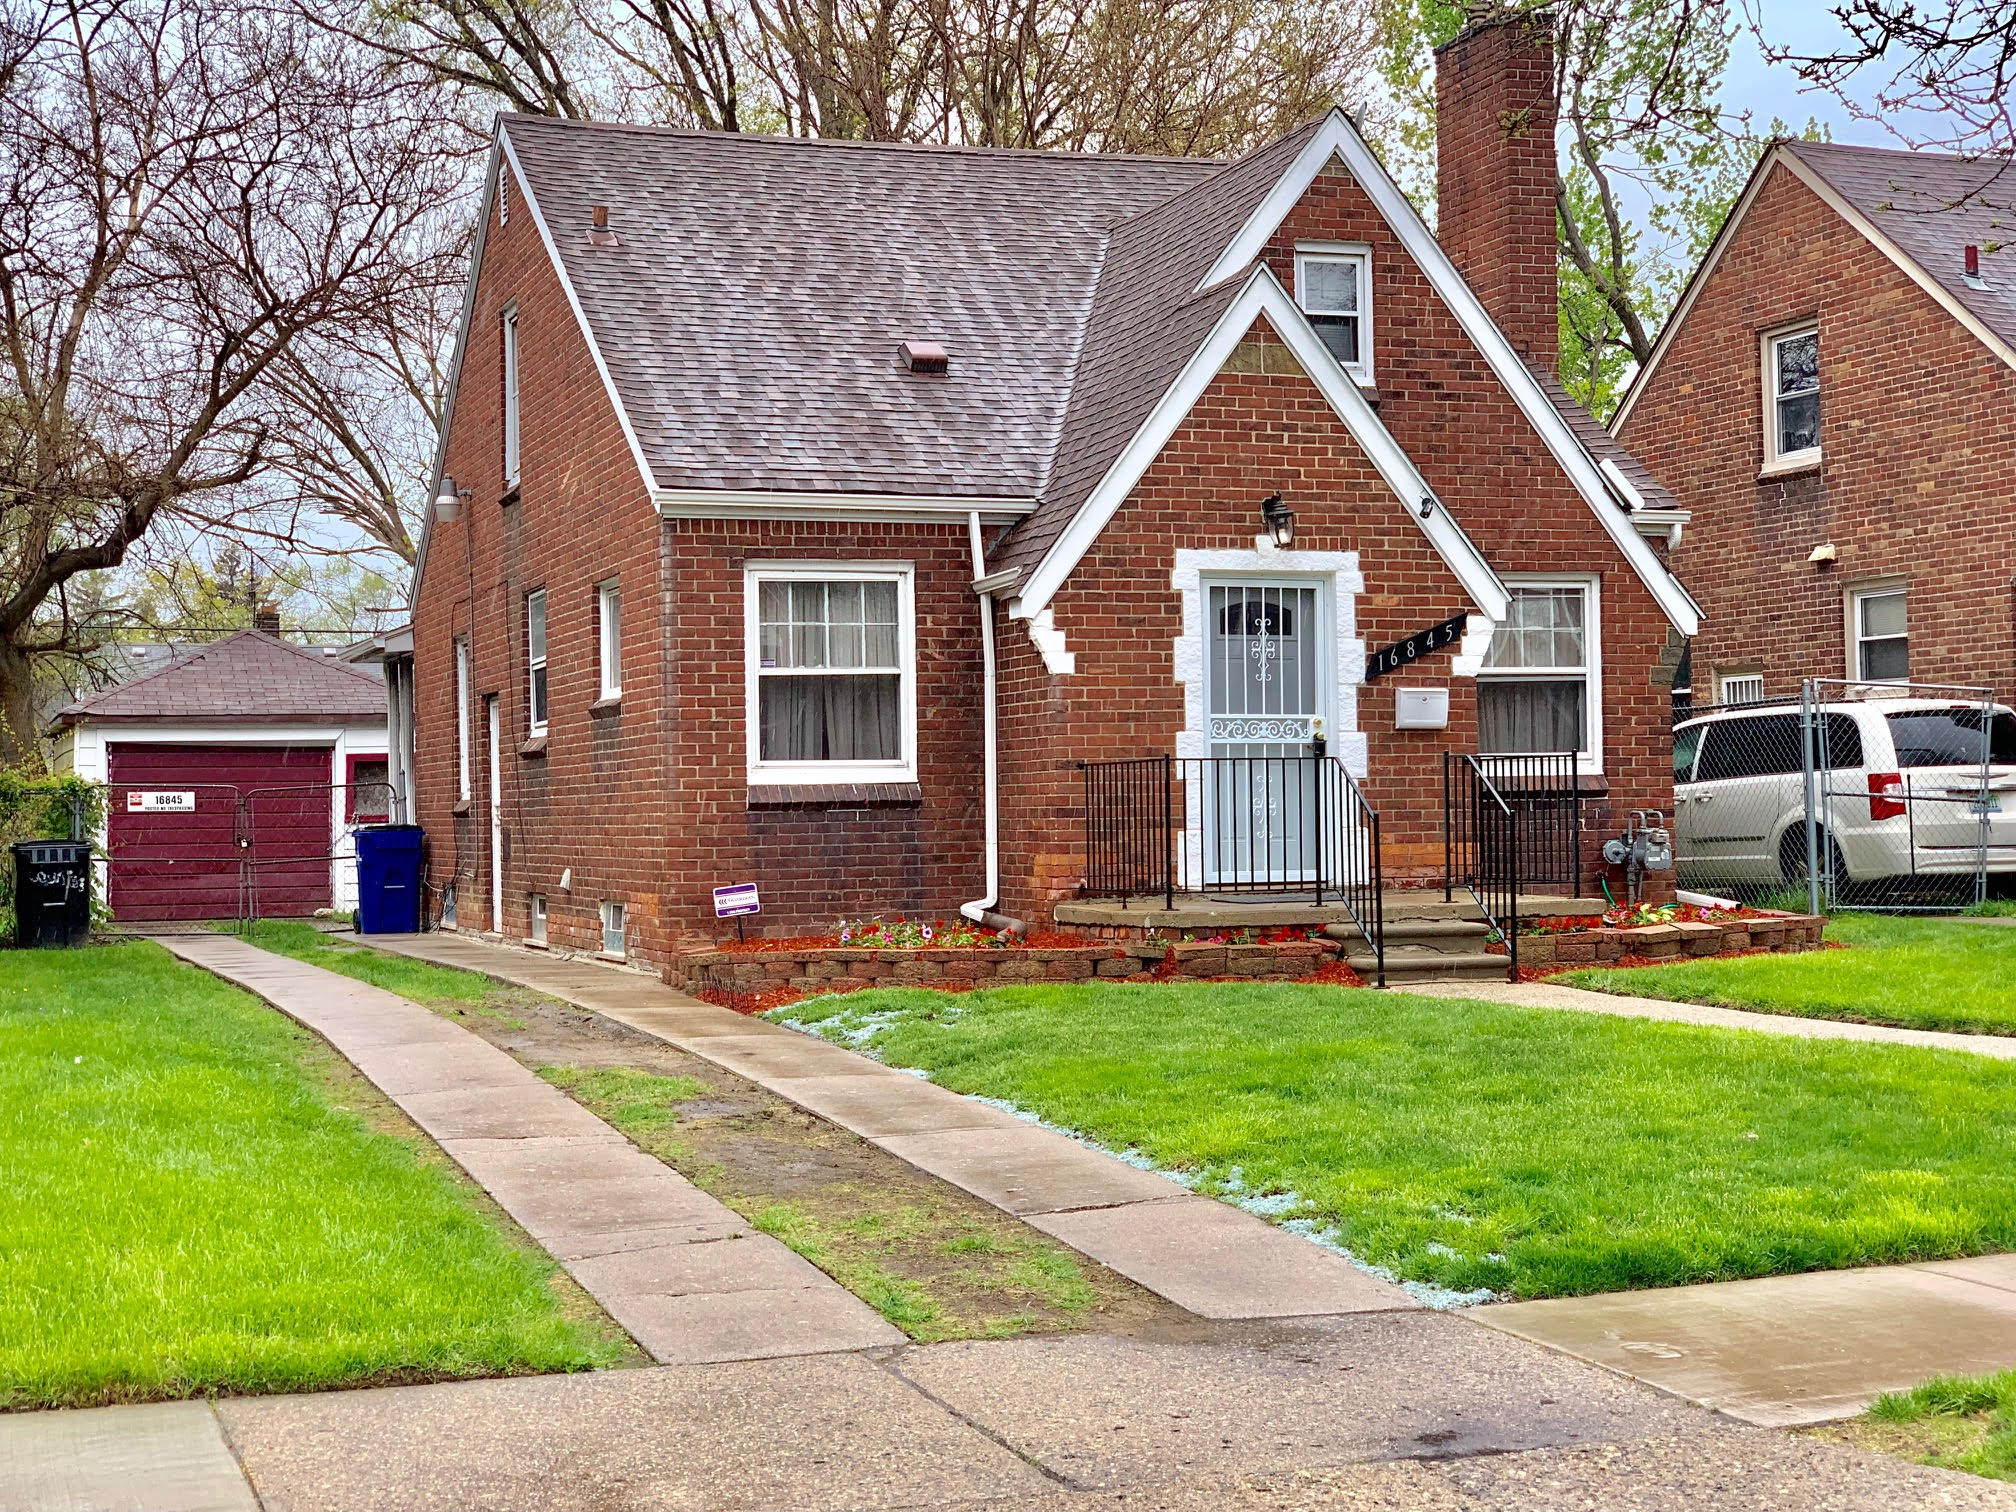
(1429, 940)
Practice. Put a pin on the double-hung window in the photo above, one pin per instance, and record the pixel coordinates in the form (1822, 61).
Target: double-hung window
(831, 673)
(1879, 635)
(535, 661)
(461, 719)
(1539, 688)
(1333, 285)
(511, 397)
(609, 638)
(1792, 398)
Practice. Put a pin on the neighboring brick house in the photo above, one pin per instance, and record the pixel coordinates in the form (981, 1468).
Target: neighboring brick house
(824, 504)
(1833, 399)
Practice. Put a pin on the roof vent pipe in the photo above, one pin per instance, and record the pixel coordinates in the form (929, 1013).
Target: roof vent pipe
(599, 233)
(1972, 264)
(924, 356)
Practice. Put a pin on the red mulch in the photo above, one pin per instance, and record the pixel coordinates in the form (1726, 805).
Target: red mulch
(1689, 913)
(1047, 940)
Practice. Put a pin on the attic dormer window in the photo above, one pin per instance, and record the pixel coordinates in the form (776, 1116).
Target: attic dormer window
(1333, 285)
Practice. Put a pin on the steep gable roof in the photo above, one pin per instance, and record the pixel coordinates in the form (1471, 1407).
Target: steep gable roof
(750, 313)
(249, 676)
(1922, 210)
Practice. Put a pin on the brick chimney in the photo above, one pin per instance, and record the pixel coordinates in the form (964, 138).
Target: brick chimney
(1494, 112)
(267, 618)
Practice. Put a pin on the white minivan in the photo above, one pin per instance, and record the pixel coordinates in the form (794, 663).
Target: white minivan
(1901, 792)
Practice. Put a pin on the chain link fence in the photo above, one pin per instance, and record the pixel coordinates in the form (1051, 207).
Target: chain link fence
(1896, 797)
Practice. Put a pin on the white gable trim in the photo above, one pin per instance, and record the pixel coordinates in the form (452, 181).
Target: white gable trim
(806, 504)
(580, 315)
(1338, 138)
(1811, 178)
(1263, 295)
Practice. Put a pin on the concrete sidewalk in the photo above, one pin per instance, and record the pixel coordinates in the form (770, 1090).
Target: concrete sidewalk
(1212, 1259)
(1402, 1412)
(1582, 1000)
(685, 1275)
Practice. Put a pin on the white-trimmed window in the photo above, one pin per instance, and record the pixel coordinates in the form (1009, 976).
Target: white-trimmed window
(1743, 687)
(615, 941)
(511, 396)
(1540, 688)
(1333, 285)
(1792, 398)
(462, 719)
(832, 659)
(535, 661)
(609, 638)
(1879, 635)
(535, 918)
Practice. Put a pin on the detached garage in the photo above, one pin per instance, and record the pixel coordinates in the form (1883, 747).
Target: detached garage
(234, 776)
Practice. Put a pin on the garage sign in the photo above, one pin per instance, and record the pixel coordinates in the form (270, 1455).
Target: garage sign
(139, 801)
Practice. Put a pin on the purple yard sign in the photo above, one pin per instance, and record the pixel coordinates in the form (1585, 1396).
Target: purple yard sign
(734, 902)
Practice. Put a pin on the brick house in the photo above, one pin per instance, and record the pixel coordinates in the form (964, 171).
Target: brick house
(1832, 400)
(831, 514)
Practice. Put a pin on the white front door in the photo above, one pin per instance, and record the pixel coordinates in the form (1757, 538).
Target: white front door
(1267, 687)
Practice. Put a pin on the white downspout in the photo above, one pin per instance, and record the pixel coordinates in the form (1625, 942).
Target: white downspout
(979, 909)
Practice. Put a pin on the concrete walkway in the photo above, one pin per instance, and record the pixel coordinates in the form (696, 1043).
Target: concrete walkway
(685, 1275)
(1401, 1412)
(1212, 1259)
(1582, 1000)
(1786, 1350)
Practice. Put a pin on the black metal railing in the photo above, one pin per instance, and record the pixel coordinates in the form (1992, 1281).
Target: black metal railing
(1481, 848)
(1235, 824)
(1544, 792)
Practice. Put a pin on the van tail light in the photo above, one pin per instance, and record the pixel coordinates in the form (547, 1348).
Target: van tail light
(1881, 805)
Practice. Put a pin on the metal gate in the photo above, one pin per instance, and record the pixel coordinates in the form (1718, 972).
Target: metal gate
(212, 851)
(1897, 797)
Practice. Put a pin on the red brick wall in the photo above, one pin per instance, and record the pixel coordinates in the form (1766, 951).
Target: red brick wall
(1495, 173)
(646, 803)
(1914, 482)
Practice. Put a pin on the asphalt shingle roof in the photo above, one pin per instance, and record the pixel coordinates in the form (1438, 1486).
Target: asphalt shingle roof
(1934, 206)
(751, 312)
(249, 676)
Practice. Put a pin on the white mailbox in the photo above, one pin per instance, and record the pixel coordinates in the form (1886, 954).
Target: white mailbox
(1420, 708)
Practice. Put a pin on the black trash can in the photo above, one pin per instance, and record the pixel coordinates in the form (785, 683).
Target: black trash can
(52, 892)
(388, 879)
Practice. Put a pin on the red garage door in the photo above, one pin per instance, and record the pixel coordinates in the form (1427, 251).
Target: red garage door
(188, 820)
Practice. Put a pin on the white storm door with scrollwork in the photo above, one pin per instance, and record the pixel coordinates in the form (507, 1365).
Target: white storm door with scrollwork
(1266, 681)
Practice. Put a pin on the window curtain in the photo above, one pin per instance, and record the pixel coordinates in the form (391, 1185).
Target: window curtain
(1529, 715)
(832, 719)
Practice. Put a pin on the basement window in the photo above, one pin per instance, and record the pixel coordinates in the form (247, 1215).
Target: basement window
(831, 673)
(535, 918)
(1333, 285)
(1792, 398)
(614, 938)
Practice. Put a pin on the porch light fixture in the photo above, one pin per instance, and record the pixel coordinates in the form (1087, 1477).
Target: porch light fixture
(448, 503)
(1279, 520)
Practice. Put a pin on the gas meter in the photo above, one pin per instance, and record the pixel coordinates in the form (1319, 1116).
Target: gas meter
(1646, 845)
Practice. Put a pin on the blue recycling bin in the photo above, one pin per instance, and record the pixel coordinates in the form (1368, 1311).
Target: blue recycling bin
(388, 879)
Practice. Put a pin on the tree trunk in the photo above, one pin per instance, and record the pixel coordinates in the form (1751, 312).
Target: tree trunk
(20, 740)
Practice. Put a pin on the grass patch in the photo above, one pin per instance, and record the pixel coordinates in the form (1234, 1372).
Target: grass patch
(1954, 1422)
(935, 1270)
(1475, 1145)
(445, 989)
(193, 1205)
(1991, 908)
(1911, 973)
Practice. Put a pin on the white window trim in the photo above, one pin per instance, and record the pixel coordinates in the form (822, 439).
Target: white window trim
(1776, 461)
(622, 912)
(535, 918)
(534, 665)
(1360, 253)
(512, 438)
(1853, 600)
(462, 718)
(609, 637)
(775, 773)
(1589, 761)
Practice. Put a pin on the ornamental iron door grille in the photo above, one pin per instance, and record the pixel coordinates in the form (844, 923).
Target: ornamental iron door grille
(1254, 819)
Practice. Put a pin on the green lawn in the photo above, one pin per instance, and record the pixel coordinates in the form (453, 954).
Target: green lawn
(195, 1201)
(1471, 1145)
(1959, 1423)
(438, 987)
(1915, 973)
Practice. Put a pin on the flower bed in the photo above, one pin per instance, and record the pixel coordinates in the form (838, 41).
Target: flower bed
(737, 973)
(1684, 931)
